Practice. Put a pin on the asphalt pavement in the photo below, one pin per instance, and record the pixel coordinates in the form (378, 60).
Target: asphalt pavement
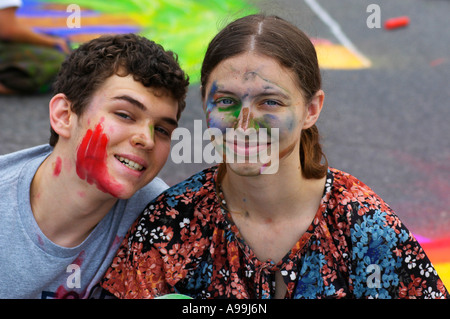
(386, 124)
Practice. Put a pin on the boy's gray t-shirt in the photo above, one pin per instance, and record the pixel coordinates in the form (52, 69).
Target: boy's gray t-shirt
(32, 266)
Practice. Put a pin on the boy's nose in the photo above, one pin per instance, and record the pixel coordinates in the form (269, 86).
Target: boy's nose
(145, 138)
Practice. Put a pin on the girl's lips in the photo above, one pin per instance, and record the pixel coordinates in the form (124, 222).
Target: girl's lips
(246, 148)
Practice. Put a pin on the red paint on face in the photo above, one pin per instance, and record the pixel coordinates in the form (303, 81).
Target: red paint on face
(57, 168)
(91, 161)
(81, 194)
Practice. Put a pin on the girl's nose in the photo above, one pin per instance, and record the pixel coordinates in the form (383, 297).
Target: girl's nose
(245, 118)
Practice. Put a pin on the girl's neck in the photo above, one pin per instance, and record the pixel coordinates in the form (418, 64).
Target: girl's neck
(271, 196)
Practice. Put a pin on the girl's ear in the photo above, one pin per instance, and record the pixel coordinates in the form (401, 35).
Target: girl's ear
(61, 115)
(313, 109)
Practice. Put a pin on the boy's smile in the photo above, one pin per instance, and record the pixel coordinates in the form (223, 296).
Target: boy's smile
(126, 136)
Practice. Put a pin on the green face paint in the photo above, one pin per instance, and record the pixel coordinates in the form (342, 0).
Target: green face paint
(220, 115)
(232, 111)
(152, 131)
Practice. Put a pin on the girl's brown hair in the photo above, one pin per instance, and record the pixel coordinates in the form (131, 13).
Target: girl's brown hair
(276, 38)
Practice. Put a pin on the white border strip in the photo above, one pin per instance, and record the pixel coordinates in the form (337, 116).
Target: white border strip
(337, 31)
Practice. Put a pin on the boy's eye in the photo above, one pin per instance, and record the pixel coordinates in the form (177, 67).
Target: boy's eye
(162, 130)
(123, 115)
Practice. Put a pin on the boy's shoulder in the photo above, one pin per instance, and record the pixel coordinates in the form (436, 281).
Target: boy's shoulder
(150, 191)
(26, 153)
(201, 179)
(11, 164)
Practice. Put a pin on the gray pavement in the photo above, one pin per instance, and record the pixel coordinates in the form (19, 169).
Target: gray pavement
(387, 125)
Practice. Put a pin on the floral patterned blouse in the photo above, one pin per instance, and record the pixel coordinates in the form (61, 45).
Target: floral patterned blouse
(356, 247)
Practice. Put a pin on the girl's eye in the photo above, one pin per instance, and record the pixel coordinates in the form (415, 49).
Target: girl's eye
(271, 103)
(224, 102)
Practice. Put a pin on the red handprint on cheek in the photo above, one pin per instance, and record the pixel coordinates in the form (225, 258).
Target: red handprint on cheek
(92, 159)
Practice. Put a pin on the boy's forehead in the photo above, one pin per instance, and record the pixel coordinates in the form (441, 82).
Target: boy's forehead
(118, 81)
(115, 83)
(125, 88)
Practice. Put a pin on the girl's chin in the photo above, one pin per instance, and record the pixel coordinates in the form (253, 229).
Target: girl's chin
(245, 169)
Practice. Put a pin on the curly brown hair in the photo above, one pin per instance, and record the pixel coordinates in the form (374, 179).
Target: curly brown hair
(87, 67)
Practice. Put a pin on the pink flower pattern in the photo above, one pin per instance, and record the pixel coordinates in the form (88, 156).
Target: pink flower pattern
(185, 242)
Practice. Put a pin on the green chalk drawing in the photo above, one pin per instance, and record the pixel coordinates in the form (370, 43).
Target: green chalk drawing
(183, 26)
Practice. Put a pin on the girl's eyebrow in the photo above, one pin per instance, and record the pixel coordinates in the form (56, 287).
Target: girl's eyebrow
(275, 92)
(226, 92)
(268, 91)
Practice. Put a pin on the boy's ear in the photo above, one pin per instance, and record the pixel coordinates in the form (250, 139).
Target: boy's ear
(313, 109)
(61, 115)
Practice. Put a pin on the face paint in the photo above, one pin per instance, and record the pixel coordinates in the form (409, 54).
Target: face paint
(250, 91)
(245, 118)
(286, 126)
(232, 112)
(226, 113)
(213, 119)
(152, 131)
(223, 116)
(57, 166)
(81, 194)
(91, 161)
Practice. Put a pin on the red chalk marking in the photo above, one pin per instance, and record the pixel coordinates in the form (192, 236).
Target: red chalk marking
(437, 62)
(91, 161)
(395, 23)
(58, 164)
(437, 250)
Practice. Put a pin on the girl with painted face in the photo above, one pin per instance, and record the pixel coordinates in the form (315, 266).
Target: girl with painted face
(304, 230)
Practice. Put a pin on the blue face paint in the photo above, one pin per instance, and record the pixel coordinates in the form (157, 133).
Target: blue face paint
(220, 116)
(210, 100)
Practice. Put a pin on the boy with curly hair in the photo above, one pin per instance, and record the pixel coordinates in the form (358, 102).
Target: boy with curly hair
(66, 206)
